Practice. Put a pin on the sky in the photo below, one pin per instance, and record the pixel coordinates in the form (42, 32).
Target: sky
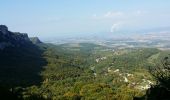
(56, 17)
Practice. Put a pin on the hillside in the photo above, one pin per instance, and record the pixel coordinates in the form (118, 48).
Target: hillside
(20, 60)
(33, 70)
(90, 71)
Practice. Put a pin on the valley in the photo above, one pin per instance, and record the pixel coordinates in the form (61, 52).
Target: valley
(90, 71)
(85, 50)
(76, 71)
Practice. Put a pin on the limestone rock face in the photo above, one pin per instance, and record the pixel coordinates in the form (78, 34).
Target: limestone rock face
(4, 29)
(35, 40)
(13, 39)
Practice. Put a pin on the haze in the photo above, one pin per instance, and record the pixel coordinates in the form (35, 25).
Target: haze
(44, 18)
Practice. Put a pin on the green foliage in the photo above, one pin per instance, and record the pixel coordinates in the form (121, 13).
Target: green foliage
(161, 73)
(72, 73)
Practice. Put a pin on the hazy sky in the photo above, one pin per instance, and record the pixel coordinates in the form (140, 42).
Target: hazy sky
(52, 17)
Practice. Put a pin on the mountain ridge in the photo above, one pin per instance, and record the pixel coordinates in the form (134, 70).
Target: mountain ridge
(15, 39)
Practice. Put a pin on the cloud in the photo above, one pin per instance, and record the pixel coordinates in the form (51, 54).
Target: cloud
(108, 15)
(127, 19)
(114, 27)
(113, 14)
(119, 15)
(94, 15)
(140, 13)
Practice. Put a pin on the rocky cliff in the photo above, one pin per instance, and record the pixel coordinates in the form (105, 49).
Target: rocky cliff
(13, 39)
(20, 59)
(35, 40)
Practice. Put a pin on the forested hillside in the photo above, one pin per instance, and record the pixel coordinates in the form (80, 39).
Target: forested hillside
(20, 62)
(32, 70)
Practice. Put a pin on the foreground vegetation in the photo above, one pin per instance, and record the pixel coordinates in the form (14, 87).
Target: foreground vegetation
(81, 71)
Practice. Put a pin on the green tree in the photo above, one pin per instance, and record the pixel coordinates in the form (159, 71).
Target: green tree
(160, 91)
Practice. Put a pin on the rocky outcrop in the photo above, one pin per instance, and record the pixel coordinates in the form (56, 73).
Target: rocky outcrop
(20, 60)
(35, 40)
(14, 39)
(3, 29)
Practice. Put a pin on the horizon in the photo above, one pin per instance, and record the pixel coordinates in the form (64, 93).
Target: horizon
(64, 18)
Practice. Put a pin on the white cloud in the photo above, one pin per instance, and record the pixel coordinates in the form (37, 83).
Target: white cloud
(108, 15)
(94, 15)
(140, 12)
(127, 19)
(119, 15)
(113, 14)
(114, 27)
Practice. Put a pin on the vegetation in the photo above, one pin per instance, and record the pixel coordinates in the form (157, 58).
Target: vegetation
(161, 73)
(77, 71)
